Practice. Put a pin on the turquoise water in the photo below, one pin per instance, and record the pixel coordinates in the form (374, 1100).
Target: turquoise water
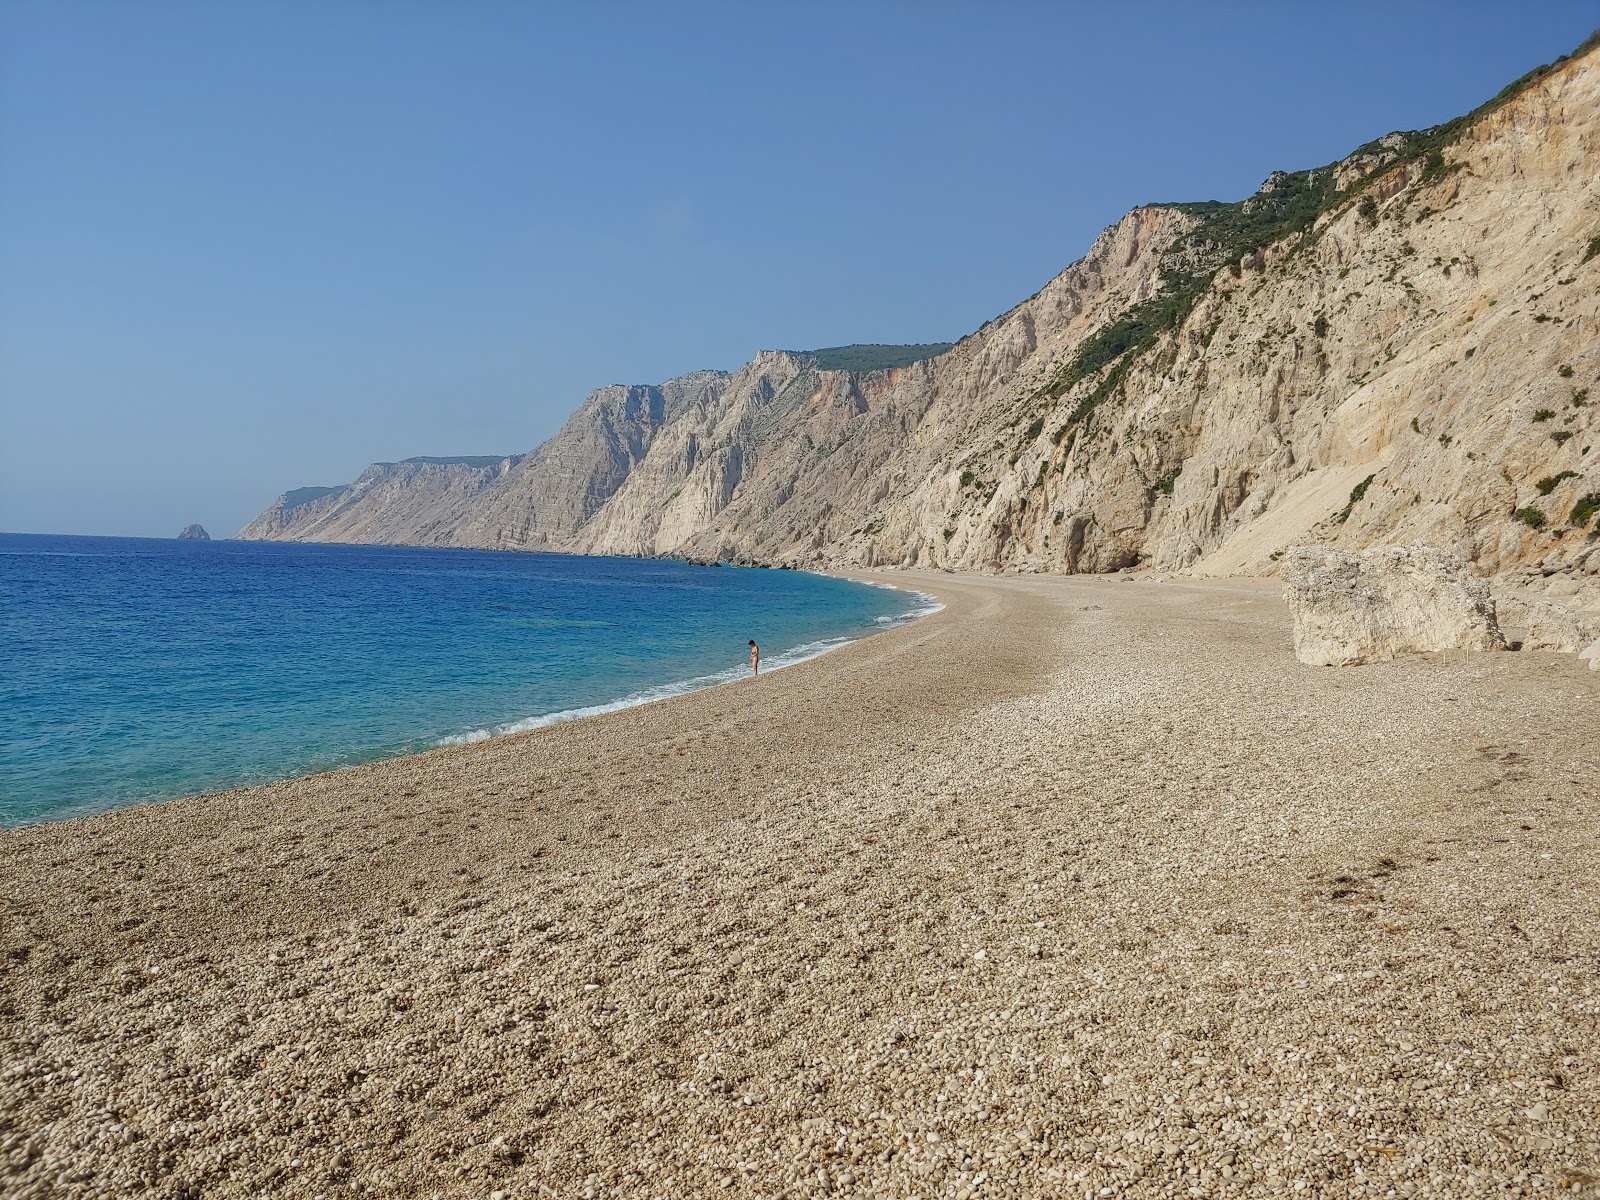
(140, 669)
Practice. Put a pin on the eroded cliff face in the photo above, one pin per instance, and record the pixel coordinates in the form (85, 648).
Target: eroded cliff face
(1429, 345)
(553, 493)
(537, 501)
(851, 464)
(1414, 364)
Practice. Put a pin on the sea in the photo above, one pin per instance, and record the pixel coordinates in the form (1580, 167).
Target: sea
(141, 669)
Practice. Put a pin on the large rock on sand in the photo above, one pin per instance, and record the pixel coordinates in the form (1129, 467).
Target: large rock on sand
(1368, 607)
(1546, 624)
(1592, 656)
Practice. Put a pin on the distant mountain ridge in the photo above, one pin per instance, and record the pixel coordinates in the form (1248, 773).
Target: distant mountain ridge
(1397, 346)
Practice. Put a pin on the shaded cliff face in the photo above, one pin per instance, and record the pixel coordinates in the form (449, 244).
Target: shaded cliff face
(1399, 347)
(544, 500)
(536, 501)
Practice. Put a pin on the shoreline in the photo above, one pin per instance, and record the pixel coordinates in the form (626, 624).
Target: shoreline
(781, 660)
(1079, 883)
(532, 725)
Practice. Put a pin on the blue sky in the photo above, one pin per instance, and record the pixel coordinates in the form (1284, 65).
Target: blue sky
(246, 247)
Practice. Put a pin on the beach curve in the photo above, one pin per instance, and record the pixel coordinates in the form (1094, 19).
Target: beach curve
(1078, 883)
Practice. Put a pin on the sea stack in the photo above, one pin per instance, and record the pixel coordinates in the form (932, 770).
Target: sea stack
(194, 533)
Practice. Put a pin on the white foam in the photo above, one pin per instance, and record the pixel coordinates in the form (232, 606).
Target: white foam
(928, 607)
(785, 658)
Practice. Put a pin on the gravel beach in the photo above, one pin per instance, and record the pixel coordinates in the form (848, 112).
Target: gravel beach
(1081, 887)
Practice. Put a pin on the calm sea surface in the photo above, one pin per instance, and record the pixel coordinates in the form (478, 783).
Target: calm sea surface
(139, 669)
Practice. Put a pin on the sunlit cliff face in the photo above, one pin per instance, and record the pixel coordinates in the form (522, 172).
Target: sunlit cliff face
(1411, 363)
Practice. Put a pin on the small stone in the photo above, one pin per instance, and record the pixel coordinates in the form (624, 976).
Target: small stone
(1539, 1112)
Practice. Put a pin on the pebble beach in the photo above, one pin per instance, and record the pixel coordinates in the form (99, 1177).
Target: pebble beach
(1080, 887)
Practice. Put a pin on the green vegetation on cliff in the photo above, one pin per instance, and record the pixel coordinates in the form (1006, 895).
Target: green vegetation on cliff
(1289, 203)
(462, 460)
(875, 357)
(305, 495)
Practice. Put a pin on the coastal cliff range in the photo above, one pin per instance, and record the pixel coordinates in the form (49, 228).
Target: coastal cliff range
(1402, 346)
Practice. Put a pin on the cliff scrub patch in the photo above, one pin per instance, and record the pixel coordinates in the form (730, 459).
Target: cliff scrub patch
(875, 357)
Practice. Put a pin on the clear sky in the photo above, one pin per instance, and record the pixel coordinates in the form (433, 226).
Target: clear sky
(252, 246)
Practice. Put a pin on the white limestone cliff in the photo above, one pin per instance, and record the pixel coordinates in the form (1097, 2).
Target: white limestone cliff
(1415, 366)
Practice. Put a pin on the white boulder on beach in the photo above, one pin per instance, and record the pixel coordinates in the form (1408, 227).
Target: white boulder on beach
(1369, 607)
(1592, 655)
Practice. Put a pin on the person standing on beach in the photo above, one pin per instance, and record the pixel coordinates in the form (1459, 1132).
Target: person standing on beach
(755, 658)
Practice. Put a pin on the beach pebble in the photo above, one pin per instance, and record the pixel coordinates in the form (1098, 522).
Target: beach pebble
(394, 989)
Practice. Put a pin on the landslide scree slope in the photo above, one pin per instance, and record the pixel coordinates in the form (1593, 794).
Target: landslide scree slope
(1398, 346)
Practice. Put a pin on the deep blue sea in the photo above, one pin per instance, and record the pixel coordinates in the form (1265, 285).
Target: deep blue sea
(139, 669)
